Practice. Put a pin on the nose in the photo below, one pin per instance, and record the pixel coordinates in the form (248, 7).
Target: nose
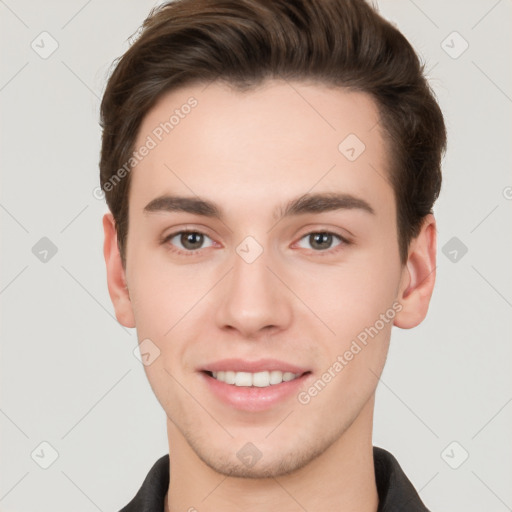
(252, 300)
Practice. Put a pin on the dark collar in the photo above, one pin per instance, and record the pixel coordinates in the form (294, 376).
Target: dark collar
(396, 493)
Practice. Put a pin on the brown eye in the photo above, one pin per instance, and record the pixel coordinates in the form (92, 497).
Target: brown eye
(188, 241)
(320, 241)
(192, 241)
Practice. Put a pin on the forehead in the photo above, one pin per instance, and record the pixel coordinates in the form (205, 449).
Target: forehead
(277, 140)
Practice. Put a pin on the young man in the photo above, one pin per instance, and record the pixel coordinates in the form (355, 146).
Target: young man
(270, 167)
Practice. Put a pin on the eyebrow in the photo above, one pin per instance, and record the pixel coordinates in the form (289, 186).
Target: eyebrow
(307, 203)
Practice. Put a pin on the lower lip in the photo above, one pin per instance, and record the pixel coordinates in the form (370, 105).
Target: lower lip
(252, 398)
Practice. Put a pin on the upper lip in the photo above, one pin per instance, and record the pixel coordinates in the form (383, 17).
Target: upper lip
(261, 365)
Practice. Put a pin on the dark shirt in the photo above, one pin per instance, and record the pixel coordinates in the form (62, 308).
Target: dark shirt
(396, 493)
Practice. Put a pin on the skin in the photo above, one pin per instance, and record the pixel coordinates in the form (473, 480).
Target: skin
(250, 153)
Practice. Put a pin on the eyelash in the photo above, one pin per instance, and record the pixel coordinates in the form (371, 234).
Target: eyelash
(343, 242)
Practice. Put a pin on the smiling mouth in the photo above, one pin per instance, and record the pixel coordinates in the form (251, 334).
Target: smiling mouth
(258, 379)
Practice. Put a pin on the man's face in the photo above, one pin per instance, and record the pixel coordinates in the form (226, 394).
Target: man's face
(254, 286)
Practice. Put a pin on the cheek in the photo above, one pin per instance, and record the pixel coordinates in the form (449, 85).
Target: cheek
(356, 303)
(358, 308)
(167, 307)
(160, 293)
(350, 297)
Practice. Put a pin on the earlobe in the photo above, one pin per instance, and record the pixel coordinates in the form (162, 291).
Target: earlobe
(418, 277)
(116, 278)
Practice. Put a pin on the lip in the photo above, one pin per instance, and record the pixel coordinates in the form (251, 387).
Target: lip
(261, 365)
(252, 398)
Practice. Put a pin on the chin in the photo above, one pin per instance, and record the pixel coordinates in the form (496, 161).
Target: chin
(251, 462)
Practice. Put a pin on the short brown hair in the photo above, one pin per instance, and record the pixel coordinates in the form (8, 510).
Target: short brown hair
(343, 43)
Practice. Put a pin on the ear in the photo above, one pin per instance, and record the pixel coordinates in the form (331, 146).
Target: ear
(418, 277)
(116, 277)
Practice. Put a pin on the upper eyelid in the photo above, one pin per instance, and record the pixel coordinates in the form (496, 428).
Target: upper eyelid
(173, 234)
(343, 239)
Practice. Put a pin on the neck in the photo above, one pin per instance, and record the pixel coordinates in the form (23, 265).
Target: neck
(341, 479)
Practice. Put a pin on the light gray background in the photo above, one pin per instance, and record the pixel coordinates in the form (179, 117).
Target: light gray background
(68, 374)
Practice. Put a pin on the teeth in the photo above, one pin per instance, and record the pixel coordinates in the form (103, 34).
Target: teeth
(243, 379)
(258, 379)
(229, 377)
